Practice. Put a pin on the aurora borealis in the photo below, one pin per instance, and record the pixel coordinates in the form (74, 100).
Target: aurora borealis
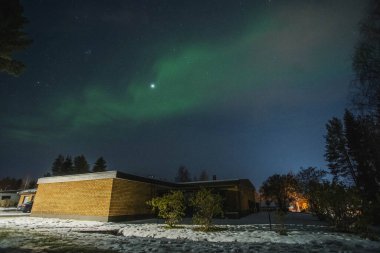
(241, 88)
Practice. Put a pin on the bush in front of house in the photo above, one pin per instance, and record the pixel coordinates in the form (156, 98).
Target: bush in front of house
(170, 207)
(206, 206)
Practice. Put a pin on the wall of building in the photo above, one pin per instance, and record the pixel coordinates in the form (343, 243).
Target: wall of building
(129, 198)
(108, 196)
(11, 196)
(87, 199)
(247, 198)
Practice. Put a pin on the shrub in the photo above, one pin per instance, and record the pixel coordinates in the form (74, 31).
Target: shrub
(170, 207)
(339, 205)
(206, 206)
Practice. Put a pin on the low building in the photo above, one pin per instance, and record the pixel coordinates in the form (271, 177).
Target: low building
(9, 194)
(113, 195)
(8, 198)
(26, 196)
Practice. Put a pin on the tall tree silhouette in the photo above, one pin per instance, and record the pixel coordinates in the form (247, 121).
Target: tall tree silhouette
(100, 165)
(280, 189)
(57, 166)
(203, 176)
(183, 174)
(12, 38)
(366, 62)
(81, 165)
(67, 167)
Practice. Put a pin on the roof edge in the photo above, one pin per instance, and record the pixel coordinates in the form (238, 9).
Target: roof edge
(114, 174)
(78, 177)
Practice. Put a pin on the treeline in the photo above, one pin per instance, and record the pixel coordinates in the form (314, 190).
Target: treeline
(183, 175)
(10, 183)
(68, 166)
(353, 144)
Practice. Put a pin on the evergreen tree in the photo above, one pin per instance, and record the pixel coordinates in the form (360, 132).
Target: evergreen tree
(183, 175)
(100, 165)
(353, 147)
(57, 167)
(203, 176)
(67, 167)
(366, 62)
(337, 154)
(352, 152)
(47, 174)
(81, 165)
(12, 38)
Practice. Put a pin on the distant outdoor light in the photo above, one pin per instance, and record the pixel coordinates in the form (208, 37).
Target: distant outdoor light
(152, 85)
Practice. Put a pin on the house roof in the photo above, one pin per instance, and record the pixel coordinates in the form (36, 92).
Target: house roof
(217, 183)
(123, 175)
(101, 175)
(27, 191)
(9, 191)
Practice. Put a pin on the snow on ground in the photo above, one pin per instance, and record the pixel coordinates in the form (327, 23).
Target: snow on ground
(5, 209)
(11, 212)
(55, 235)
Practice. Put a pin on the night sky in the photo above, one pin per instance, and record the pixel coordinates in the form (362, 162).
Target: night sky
(242, 89)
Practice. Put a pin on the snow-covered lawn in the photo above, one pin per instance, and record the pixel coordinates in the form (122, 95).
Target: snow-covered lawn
(6, 209)
(59, 235)
(11, 212)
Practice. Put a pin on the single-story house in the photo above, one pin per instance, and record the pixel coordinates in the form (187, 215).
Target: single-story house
(8, 198)
(26, 195)
(113, 195)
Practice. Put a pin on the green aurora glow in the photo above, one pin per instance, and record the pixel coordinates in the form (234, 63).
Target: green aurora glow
(270, 54)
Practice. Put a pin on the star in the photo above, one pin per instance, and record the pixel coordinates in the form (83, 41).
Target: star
(152, 85)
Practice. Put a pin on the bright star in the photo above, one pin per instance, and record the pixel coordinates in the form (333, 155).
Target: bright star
(152, 85)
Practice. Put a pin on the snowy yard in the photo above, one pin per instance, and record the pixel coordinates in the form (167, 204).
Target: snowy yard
(28, 234)
(11, 212)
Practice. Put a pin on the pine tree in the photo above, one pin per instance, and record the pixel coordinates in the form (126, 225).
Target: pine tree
(67, 167)
(366, 61)
(183, 175)
(57, 167)
(337, 154)
(203, 176)
(12, 38)
(81, 165)
(100, 165)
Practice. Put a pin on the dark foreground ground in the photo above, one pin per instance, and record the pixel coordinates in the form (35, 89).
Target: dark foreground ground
(249, 234)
